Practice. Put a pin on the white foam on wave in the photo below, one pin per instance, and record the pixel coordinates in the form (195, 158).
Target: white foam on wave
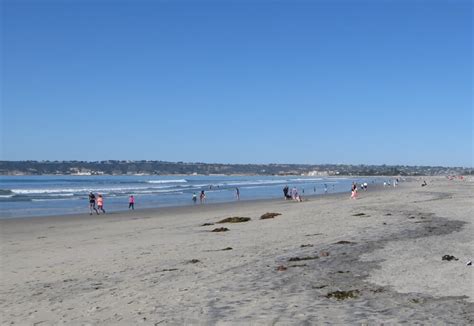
(52, 199)
(168, 181)
(257, 182)
(67, 191)
(306, 179)
(6, 196)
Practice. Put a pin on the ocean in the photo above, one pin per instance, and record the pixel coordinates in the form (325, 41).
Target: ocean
(29, 196)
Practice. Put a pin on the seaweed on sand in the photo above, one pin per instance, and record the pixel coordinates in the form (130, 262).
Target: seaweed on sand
(298, 265)
(269, 215)
(220, 230)
(235, 220)
(344, 242)
(193, 261)
(303, 258)
(342, 295)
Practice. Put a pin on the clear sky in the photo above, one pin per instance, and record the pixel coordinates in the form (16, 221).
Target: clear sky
(361, 82)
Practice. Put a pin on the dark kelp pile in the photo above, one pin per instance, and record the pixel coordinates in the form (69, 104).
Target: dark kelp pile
(220, 230)
(343, 295)
(269, 215)
(303, 258)
(235, 219)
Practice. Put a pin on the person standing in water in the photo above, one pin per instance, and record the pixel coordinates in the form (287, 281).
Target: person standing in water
(202, 197)
(131, 202)
(92, 203)
(237, 193)
(100, 204)
(194, 198)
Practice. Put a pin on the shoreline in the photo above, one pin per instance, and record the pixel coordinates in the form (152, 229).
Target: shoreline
(191, 207)
(326, 260)
(45, 198)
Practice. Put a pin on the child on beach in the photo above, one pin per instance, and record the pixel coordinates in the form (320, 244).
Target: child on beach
(100, 204)
(131, 202)
(194, 198)
(354, 190)
(92, 203)
(237, 193)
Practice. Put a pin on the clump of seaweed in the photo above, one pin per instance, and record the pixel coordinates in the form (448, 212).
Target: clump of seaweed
(344, 242)
(220, 230)
(359, 214)
(298, 265)
(319, 286)
(343, 295)
(194, 261)
(235, 220)
(303, 258)
(227, 248)
(306, 245)
(281, 268)
(207, 224)
(269, 215)
(324, 253)
(449, 258)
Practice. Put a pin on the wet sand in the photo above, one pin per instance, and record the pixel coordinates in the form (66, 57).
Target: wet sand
(377, 259)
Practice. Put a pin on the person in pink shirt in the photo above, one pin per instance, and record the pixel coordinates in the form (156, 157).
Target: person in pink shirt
(131, 202)
(100, 204)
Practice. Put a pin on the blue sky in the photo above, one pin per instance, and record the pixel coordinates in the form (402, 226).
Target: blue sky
(361, 82)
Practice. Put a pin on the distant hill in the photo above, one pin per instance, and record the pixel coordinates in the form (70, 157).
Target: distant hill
(115, 167)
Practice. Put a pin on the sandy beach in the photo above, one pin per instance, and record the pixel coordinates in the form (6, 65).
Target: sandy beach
(329, 259)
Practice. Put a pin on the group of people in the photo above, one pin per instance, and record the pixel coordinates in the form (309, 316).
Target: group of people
(389, 183)
(96, 200)
(99, 202)
(354, 189)
(202, 196)
(293, 194)
(96, 203)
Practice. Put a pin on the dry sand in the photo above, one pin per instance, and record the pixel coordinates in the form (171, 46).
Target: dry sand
(162, 267)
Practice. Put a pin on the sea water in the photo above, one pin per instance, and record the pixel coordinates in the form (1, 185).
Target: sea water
(26, 196)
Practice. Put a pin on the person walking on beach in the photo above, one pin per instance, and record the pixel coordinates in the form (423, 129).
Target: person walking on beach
(100, 203)
(194, 198)
(92, 203)
(294, 193)
(354, 191)
(285, 192)
(237, 193)
(325, 188)
(131, 202)
(202, 197)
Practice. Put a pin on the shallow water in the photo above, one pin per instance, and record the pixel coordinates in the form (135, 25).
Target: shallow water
(22, 196)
